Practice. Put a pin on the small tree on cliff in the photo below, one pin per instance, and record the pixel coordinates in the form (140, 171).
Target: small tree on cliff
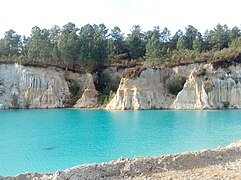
(153, 46)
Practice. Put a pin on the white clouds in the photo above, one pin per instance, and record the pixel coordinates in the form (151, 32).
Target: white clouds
(175, 14)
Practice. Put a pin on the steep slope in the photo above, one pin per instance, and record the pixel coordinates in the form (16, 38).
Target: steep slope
(149, 90)
(205, 88)
(213, 89)
(90, 96)
(34, 87)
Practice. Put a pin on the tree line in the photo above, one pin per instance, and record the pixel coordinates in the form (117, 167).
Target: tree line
(95, 45)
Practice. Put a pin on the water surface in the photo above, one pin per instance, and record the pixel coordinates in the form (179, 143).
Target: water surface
(50, 140)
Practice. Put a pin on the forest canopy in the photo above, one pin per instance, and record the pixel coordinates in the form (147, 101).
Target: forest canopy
(95, 46)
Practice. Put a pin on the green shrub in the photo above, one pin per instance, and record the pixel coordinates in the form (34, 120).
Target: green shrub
(75, 94)
(27, 103)
(175, 85)
(226, 104)
(14, 101)
(201, 71)
(208, 86)
(227, 70)
(105, 81)
(74, 88)
(66, 73)
(105, 97)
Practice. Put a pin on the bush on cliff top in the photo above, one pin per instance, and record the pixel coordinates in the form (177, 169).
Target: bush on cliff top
(133, 72)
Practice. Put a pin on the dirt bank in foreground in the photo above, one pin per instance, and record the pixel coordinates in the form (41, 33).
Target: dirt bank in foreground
(220, 163)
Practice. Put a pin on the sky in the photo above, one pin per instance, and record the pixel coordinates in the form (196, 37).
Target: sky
(22, 15)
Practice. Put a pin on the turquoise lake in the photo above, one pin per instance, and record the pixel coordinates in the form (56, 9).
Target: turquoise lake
(50, 140)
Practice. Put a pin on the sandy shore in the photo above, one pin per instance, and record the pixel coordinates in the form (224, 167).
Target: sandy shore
(220, 163)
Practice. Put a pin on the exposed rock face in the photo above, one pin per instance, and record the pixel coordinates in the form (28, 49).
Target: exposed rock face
(210, 89)
(32, 87)
(149, 90)
(90, 96)
(138, 94)
(214, 89)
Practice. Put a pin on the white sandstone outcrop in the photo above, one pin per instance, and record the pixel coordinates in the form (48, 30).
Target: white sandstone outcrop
(211, 89)
(35, 87)
(137, 94)
(149, 90)
(90, 96)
